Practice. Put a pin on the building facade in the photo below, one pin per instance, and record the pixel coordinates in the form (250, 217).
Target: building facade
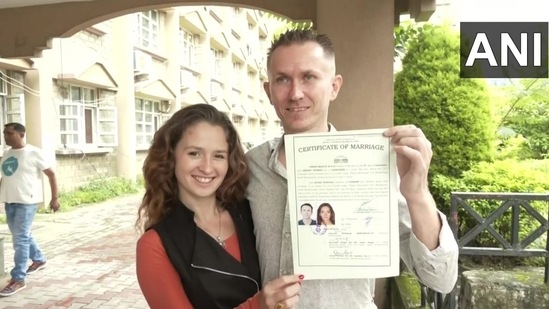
(109, 87)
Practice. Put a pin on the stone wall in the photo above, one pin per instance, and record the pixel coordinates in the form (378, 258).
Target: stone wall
(522, 287)
(76, 170)
(518, 288)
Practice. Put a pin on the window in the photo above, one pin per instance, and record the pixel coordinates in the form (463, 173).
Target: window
(188, 80)
(237, 74)
(252, 83)
(13, 109)
(249, 50)
(12, 98)
(147, 29)
(263, 130)
(217, 68)
(216, 90)
(3, 84)
(148, 119)
(236, 12)
(188, 41)
(85, 119)
(238, 123)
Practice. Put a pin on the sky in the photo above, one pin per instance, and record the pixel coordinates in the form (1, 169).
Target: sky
(501, 10)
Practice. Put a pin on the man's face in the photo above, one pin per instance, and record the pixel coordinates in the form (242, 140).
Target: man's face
(12, 137)
(302, 83)
(306, 212)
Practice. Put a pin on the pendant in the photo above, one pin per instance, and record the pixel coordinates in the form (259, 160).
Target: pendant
(221, 242)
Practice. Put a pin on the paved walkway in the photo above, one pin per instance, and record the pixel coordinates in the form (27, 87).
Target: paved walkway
(91, 259)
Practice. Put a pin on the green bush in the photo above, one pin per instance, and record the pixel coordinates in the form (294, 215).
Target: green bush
(453, 112)
(530, 118)
(94, 192)
(98, 191)
(500, 176)
(515, 147)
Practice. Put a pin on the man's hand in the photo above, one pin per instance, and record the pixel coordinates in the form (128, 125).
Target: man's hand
(54, 205)
(414, 155)
(413, 160)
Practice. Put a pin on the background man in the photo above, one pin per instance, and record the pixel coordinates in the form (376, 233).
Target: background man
(20, 190)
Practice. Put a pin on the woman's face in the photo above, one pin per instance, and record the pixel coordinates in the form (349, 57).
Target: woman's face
(325, 214)
(201, 162)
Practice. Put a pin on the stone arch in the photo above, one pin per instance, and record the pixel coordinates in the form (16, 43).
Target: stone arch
(31, 32)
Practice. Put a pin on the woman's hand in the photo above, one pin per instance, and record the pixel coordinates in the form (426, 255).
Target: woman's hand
(281, 293)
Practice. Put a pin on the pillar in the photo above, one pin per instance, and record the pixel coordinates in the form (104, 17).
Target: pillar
(126, 156)
(174, 56)
(362, 32)
(41, 115)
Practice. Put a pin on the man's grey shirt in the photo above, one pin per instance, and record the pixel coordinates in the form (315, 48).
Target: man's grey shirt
(268, 195)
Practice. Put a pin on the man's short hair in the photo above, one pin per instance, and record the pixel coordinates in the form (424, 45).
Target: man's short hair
(306, 204)
(16, 126)
(298, 36)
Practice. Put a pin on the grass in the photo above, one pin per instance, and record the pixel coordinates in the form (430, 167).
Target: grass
(93, 192)
(96, 191)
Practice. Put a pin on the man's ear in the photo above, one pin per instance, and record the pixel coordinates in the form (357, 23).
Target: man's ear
(267, 90)
(336, 85)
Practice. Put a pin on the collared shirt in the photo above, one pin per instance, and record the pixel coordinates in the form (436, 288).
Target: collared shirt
(268, 195)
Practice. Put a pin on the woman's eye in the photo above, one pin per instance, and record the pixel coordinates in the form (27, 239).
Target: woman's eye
(220, 156)
(194, 153)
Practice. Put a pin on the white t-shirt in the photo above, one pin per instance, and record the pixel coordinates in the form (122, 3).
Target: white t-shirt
(22, 174)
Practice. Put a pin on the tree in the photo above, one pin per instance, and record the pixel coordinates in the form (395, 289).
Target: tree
(528, 115)
(453, 112)
(403, 34)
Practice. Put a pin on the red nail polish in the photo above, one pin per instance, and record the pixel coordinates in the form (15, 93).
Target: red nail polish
(301, 277)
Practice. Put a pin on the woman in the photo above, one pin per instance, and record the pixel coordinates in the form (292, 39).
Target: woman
(198, 250)
(325, 214)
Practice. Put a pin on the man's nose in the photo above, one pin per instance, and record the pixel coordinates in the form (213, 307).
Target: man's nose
(296, 93)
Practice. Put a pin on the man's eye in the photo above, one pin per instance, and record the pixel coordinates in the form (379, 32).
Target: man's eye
(281, 79)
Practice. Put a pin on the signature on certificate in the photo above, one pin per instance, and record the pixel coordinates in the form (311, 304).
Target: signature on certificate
(342, 253)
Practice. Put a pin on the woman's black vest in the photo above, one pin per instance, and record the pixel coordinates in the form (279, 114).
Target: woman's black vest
(211, 277)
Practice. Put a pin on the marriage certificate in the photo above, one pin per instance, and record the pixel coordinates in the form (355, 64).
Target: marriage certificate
(343, 198)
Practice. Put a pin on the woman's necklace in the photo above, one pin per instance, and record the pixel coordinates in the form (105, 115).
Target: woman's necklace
(218, 236)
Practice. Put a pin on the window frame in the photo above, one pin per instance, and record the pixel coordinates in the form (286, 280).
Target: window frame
(155, 120)
(76, 130)
(148, 29)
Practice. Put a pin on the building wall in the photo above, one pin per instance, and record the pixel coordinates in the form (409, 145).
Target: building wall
(141, 155)
(76, 170)
(90, 61)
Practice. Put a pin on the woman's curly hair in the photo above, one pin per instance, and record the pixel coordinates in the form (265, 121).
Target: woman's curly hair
(161, 188)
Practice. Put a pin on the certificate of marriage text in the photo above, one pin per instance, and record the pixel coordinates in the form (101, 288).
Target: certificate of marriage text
(343, 199)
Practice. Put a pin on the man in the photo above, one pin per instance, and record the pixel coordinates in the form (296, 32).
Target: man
(302, 83)
(20, 190)
(306, 212)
